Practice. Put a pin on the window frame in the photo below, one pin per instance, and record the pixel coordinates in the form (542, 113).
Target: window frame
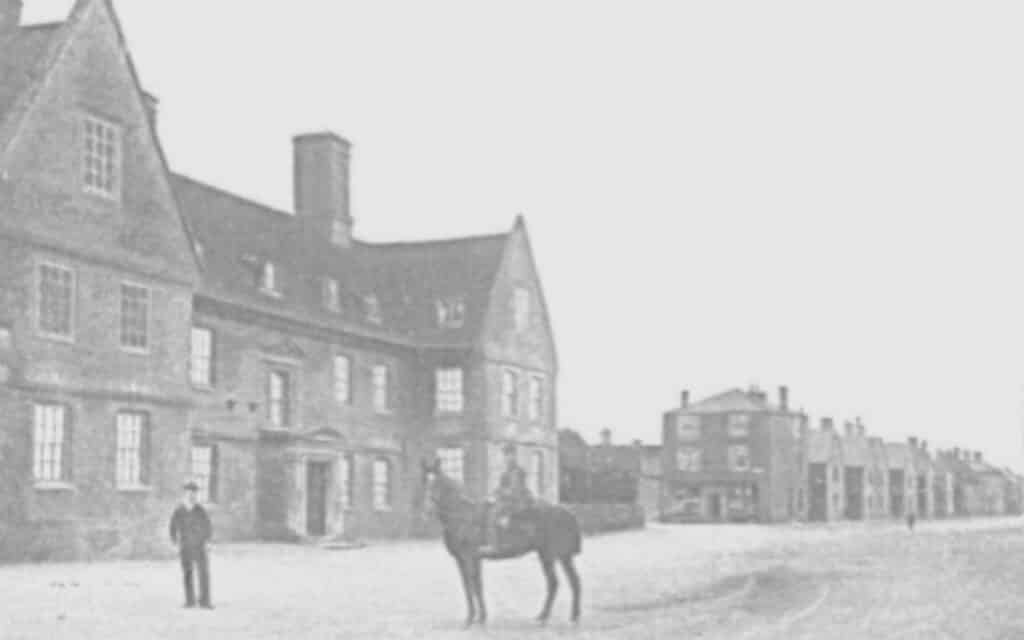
(522, 307)
(284, 403)
(147, 318)
(372, 308)
(141, 450)
(510, 397)
(536, 397)
(72, 306)
(451, 312)
(64, 450)
(382, 491)
(689, 427)
(331, 294)
(116, 169)
(209, 483)
(453, 462)
(268, 279)
(693, 453)
(210, 378)
(381, 388)
(732, 455)
(339, 398)
(449, 390)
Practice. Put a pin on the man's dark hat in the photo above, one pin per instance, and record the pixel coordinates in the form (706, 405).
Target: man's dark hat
(191, 486)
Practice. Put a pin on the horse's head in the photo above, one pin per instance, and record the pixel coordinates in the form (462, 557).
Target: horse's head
(433, 487)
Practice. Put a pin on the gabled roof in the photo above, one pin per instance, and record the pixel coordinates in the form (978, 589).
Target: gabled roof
(732, 400)
(24, 59)
(237, 235)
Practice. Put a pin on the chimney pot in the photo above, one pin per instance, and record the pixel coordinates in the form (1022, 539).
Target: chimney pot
(912, 441)
(684, 399)
(321, 166)
(784, 398)
(152, 105)
(606, 437)
(848, 428)
(827, 424)
(10, 15)
(977, 456)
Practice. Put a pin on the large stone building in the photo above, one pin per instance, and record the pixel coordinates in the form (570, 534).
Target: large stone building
(154, 328)
(826, 476)
(733, 456)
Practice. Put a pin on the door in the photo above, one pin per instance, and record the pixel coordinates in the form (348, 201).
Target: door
(715, 506)
(317, 476)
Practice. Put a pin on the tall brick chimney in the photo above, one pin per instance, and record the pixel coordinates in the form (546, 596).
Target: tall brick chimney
(912, 441)
(861, 431)
(684, 399)
(606, 437)
(784, 398)
(849, 428)
(827, 424)
(322, 184)
(10, 15)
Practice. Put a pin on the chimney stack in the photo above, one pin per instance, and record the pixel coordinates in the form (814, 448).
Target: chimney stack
(322, 185)
(10, 16)
(606, 437)
(924, 445)
(849, 429)
(977, 456)
(912, 440)
(827, 424)
(684, 399)
(784, 398)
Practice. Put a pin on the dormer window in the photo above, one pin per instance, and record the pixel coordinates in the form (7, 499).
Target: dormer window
(101, 157)
(268, 279)
(332, 295)
(451, 313)
(372, 304)
(521, 308)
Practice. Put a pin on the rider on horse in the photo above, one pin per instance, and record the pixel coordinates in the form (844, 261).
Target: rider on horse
(512, 498)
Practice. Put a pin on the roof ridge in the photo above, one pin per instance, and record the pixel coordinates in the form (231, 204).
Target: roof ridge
(415, 244)
(230, 194)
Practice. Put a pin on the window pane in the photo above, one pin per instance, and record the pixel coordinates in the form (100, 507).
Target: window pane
(536, 403)
(201, 360)
(453, 462)
(381, 484)
(56, 290)
(450, 398)
(134, 317)
(130, 433)
(100, 157)
(48, 461)
(510, 393)
(203, 471)
(278, 401)
(381, 390)
(342, 379)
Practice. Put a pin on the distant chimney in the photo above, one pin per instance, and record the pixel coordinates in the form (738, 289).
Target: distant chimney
(152, 105)
(10, 16)
(849, 429)
(912, 441)
(956, 453)
(322, 184)
(606, 437)
(977, 456)
(638, 443)
(784, 398)
(861, 430)
(684, 399)
(924, 445)
(827, 424)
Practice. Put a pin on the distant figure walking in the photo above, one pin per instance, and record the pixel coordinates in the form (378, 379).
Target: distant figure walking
(191, 532)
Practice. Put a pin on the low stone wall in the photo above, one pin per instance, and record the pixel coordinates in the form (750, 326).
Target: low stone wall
(598, 518)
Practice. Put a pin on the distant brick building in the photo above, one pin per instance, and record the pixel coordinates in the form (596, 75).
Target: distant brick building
(902, 479)
(856, 467)
(154, 328)
(733, 456)
(826, 477)
(878, 480)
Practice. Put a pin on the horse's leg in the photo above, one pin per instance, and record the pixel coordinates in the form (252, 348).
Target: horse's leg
(477, 578)
(467, 587)
(574, 581)
(548, 565)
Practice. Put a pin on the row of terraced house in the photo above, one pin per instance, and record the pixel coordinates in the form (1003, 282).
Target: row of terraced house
(740, 456)
(156, 329)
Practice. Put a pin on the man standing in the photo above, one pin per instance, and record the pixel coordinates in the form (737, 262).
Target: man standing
(513, 497)
(191, 531)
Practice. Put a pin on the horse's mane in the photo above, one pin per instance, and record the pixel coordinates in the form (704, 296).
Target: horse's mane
(453, 487)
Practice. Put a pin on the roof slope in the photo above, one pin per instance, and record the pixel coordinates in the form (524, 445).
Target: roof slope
(23, 61)
(733, 400)
(408, 279)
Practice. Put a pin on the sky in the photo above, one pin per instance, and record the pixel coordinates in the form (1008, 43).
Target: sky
(813, 194)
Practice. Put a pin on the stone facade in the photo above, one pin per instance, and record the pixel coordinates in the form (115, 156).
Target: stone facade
(88, 203)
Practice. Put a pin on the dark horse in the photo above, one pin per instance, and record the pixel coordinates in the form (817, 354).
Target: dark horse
(552, 531)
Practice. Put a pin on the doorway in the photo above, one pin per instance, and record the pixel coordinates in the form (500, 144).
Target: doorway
(715, 506)
(317, 478)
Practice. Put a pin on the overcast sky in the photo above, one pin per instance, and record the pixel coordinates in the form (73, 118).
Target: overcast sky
(825, 195)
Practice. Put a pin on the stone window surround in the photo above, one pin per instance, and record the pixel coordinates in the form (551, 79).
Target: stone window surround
(73, 302)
